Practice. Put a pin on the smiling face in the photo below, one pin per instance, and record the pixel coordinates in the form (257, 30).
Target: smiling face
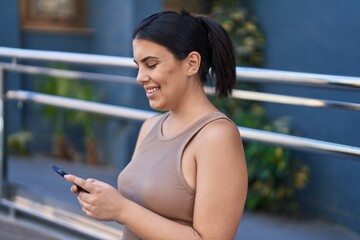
(165, 79)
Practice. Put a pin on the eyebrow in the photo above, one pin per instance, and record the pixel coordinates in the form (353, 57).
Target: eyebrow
(145, 59)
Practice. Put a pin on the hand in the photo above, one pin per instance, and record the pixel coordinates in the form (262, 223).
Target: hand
(102, 202)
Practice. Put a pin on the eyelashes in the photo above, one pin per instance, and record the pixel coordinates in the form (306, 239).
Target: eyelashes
(146, 65)
(151, 66)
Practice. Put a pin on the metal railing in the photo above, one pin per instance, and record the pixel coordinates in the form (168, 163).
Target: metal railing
(137, 114)
(250, 74)
(245, 74)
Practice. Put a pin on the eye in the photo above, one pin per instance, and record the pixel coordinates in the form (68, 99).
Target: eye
(151, 66)
(151, 63)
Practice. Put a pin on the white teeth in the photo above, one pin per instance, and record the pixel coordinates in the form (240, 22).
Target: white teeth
(151, 90)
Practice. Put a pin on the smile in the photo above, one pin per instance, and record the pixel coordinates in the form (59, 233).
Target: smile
(152, 90)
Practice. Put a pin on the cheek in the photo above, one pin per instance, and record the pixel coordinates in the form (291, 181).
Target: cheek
(170, 76)
(166, 76)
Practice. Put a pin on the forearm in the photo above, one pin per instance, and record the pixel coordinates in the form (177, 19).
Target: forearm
(149, 225)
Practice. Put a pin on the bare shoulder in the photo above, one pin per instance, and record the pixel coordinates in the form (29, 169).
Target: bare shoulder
(150, 122)
(147, 125)
(220, 131)
(220, 140)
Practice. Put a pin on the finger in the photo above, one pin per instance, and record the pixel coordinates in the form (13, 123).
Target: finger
(97, 182)
(84, 205)
(87, 212)
(74, 189)
(80, 182)
(80, 202)
(84, 196)
(92, 180)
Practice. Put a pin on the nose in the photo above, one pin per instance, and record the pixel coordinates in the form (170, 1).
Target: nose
(142, 77)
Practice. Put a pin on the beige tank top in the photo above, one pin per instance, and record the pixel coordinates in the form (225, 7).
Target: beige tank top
(154, 179)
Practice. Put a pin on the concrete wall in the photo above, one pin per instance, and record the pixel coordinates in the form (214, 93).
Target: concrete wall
(319, 36)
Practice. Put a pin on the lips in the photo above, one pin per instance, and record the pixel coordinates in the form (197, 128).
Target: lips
(151, 90)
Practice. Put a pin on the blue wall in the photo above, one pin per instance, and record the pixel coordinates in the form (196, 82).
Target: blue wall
(110, 24)
(114, 22)
(9, 23)
(10, 37)
(319, 36)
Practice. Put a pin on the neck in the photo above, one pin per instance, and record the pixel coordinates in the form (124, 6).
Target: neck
(193, 107)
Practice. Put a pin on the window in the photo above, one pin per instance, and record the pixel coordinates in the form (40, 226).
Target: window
(53, 15)
(192, 6)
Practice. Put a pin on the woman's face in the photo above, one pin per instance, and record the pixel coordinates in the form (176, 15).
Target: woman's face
(163, 77)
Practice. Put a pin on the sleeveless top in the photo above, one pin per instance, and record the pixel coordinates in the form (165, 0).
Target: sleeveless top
(154, 179)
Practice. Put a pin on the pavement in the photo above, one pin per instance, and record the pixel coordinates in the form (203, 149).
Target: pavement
(35, 173)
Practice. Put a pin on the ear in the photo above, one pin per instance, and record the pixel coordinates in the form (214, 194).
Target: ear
(193, 60)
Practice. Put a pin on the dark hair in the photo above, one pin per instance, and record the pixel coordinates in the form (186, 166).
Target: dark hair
(183, 33)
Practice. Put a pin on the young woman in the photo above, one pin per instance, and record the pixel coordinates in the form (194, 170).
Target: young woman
(187, 178)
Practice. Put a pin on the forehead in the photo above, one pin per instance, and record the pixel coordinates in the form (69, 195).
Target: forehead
(144, 48)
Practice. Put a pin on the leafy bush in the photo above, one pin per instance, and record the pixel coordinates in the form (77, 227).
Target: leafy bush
(274, 173)
(17, 142)
(71, 88)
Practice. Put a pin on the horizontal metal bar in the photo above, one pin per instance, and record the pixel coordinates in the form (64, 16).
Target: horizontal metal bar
(290, 100)
(298, 143)
(36, 70)
(300, 101)
(80, 58)
(243, 73)
(239, 94)
(71, 226)
(271, 138)
(81, 105)
(298, 78)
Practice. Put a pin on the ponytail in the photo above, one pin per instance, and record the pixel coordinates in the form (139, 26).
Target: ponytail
(222, 59)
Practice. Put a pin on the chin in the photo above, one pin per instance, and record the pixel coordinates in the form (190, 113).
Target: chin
(158, 107)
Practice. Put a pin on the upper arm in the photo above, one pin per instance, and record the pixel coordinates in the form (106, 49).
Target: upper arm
(221, 181)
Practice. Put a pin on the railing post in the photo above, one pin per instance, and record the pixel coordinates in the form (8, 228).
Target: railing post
(3, 163)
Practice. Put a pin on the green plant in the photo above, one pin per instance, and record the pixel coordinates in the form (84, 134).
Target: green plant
(17, 142)
(60, 86)
(87, 121)
(274, 173)
(245, 33)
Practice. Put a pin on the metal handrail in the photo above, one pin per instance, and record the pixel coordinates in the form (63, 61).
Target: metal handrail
(289, 100)
(81, 58)
(244, 73)
(136, 114)
(238, 94)
(59, 220)
(298, 78)
(77, 104)
(70, 74)
(318, 79)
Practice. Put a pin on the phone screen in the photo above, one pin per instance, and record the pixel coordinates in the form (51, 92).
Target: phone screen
(62, 173)
(59, 170)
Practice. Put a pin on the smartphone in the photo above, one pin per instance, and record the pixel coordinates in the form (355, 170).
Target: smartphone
(62, 173)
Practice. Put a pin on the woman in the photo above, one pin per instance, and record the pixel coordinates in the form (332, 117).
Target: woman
(187, 178)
